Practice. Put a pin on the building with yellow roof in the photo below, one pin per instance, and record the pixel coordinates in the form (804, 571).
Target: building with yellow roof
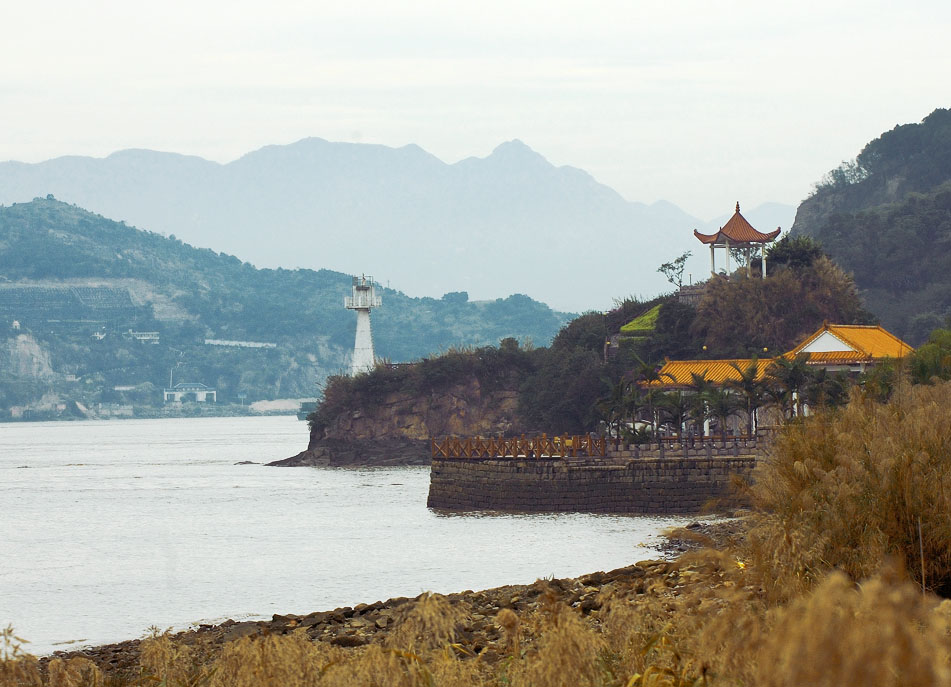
(836, 347)
(850, 347)
(680, 374)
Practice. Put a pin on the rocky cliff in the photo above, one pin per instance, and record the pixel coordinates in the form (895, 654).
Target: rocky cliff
(22, 356)
(461, 409)
(396, 427)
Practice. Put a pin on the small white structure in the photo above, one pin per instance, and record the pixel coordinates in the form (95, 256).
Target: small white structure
(146, 337)
(191, 391)
(363, 299)
(239, 344)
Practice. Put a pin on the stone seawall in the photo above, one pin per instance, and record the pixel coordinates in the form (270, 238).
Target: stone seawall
(619, 483)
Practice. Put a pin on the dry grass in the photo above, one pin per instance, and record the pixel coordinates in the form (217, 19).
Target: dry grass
(853, 490)
(826, 590)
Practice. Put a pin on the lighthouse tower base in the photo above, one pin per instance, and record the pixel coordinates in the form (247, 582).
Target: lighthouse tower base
(363, 359)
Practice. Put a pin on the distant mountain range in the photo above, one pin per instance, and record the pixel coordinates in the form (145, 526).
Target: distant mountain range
(508, 223)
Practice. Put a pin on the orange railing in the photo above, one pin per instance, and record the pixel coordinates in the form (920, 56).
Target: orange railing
(519, 447)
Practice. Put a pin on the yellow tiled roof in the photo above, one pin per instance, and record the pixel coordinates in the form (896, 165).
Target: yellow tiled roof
(676, 373)
(871, 342)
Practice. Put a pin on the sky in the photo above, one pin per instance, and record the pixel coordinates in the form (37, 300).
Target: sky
(698, 103)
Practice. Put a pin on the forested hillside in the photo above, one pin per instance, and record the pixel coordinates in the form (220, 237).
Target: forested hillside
(886, 217)
(77, 283)
(594, 367)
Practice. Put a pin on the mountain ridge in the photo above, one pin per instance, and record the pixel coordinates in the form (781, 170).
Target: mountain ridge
(509, 222)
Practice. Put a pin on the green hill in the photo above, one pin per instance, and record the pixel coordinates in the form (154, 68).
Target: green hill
(886, 217)
(90, 295)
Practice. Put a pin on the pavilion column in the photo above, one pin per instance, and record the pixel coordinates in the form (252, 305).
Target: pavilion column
(763, 259)
(749, 262)
(713, 262)
(728, 257)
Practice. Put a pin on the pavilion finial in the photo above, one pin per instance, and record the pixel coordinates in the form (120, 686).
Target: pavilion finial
(737, 206)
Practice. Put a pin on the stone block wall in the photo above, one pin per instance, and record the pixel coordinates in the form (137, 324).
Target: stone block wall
(618, 483)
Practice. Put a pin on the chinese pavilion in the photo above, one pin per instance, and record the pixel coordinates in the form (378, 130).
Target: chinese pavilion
(737, 233)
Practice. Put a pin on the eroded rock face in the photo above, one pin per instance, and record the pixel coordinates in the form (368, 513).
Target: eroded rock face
(26, 358)
(462, 409)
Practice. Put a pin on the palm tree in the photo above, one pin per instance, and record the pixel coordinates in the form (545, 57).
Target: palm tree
(648, 376)
(675, 407)
(751, 388)
(721, 405)
(827, 390)
(788, 379)
(634, 403)
(612, 406)
(701, 388)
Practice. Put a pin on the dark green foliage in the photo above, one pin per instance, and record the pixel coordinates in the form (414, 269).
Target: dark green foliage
(796, 252)
(673, 336)
(562, 396)
(588, 332)
(456, 297)
(627, 310)
(827, 389)
(745, 317)
(887, 219)
(909, 158)
(933, 360)
(899, 255)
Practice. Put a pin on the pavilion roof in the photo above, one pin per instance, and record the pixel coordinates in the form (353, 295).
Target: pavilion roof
(679, 373)
(738, 231)
(850, 343)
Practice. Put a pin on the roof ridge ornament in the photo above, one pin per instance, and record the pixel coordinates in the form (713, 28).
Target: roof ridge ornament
(737, 206)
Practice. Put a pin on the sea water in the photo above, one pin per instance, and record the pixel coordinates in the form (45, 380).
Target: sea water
(108, 528)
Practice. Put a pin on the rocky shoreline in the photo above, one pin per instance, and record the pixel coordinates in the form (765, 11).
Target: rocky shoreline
(481, 635)
(360, 452)
(357, 626)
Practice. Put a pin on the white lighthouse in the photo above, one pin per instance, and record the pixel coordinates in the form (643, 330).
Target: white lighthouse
(362, 300)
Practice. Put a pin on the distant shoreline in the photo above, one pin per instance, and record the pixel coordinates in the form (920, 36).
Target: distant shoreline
(157, 414)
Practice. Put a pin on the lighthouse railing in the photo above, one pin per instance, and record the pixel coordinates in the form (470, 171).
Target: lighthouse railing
(362, 301)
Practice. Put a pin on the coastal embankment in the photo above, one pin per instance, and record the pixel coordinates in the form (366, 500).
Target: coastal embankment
(666, 479)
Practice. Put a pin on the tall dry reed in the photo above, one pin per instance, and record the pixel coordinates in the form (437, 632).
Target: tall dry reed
(855, 489)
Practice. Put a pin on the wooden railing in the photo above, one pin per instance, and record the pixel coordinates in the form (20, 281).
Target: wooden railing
(519, 447)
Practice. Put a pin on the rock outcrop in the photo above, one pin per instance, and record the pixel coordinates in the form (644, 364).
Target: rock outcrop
(341, 453)
(396, 428)
(460, 409)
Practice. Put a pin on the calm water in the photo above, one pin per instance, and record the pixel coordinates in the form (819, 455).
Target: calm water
(108, 528)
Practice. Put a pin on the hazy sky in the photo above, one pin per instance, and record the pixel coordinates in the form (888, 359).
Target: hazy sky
(699, 103)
